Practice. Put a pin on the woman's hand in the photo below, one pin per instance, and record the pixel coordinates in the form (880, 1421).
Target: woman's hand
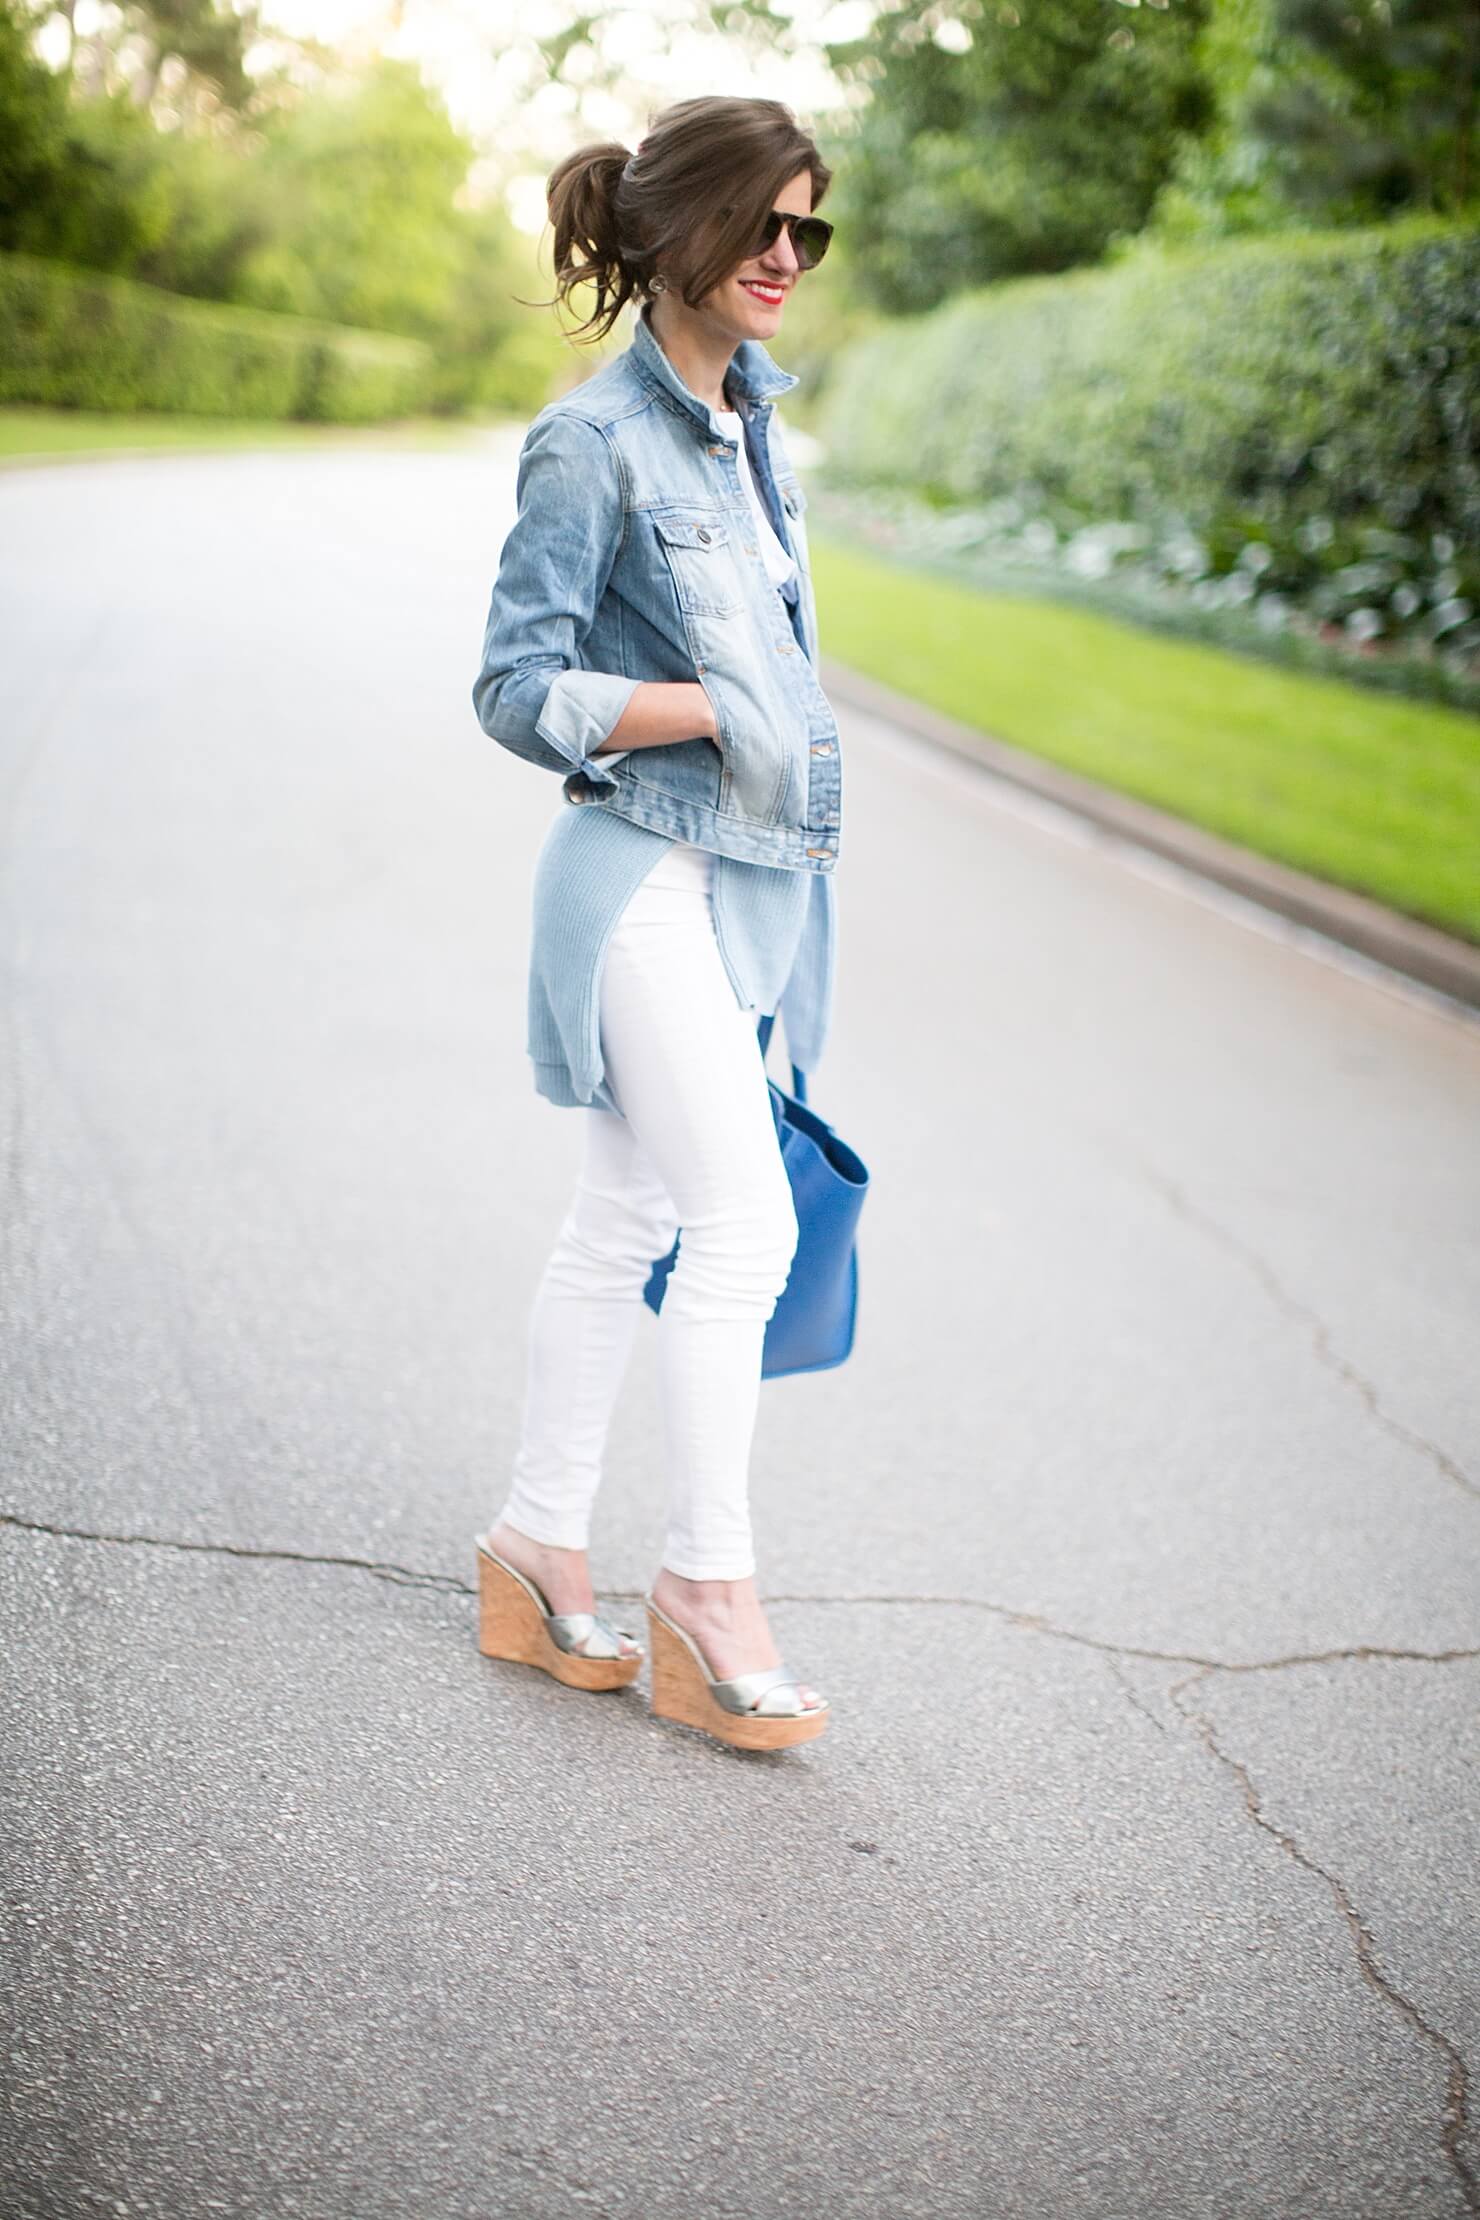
(661, 713)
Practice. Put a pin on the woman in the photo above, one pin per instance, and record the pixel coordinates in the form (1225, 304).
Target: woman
(652, 637)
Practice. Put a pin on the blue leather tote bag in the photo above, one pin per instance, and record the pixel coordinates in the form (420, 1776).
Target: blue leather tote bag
(812, 1326)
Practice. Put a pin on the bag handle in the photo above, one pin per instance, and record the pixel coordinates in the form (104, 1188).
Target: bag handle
(798, 1076)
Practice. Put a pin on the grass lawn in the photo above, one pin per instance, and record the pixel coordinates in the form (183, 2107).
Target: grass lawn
(58, 432)
(1366, 790)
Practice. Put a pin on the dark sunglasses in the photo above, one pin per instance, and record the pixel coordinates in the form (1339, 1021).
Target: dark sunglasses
(809, 235)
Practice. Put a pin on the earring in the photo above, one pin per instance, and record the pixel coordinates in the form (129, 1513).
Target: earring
(657, 285)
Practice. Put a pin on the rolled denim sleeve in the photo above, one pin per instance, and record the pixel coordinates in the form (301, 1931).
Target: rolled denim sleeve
(533, 692)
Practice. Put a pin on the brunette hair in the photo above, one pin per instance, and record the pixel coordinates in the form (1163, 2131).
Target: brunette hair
(694, 196)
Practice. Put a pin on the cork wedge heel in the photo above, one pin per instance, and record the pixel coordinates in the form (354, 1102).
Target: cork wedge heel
(754, 1711)
(515, 1622)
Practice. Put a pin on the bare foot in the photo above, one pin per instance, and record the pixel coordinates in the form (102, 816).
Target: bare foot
(559, 1574)
(726, 1620)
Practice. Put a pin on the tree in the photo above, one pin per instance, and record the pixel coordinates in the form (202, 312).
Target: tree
(33, 127)
(131, 48)
(80, 181)
(1222, 182)
(1012, 139)
(1331, 112)
(1374, 110)
(356, 188)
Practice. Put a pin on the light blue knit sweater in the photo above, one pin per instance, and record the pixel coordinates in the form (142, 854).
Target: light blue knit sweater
(776, 930)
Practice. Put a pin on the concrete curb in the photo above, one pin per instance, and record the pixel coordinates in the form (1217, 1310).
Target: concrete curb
(1405, 944)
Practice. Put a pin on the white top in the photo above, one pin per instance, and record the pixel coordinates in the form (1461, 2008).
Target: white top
(779, 565)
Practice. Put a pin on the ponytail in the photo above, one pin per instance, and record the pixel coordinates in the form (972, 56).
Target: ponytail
(584, 194)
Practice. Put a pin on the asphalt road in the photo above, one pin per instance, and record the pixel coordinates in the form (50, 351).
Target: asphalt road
(1138, 1546)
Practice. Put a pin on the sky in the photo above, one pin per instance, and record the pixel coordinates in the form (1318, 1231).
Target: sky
(478, 55)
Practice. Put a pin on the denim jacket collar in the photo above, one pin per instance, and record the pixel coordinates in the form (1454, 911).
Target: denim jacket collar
(752, 374)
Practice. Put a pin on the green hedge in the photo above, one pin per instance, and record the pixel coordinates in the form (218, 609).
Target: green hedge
(74, 338)
(1243, 387)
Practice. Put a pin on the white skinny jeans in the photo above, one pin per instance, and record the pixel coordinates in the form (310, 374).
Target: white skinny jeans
(695, 1146)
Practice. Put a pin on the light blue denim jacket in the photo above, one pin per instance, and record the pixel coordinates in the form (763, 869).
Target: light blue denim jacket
(634, 556)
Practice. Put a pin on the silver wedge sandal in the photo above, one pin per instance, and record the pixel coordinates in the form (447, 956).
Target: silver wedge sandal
(515, 1622)
(753, 1711)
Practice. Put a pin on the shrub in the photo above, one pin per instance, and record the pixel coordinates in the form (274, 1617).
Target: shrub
(78, 339)
(1300, 392)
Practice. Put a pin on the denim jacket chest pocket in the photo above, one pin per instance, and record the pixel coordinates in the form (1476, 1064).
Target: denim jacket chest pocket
(700, 558)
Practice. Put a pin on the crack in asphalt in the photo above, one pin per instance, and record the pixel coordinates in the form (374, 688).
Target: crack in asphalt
(406, 1576)
(1035, 1623)
(1131, 1697)
(402, 1575)
(1320, 1333)
(1454, 2119)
